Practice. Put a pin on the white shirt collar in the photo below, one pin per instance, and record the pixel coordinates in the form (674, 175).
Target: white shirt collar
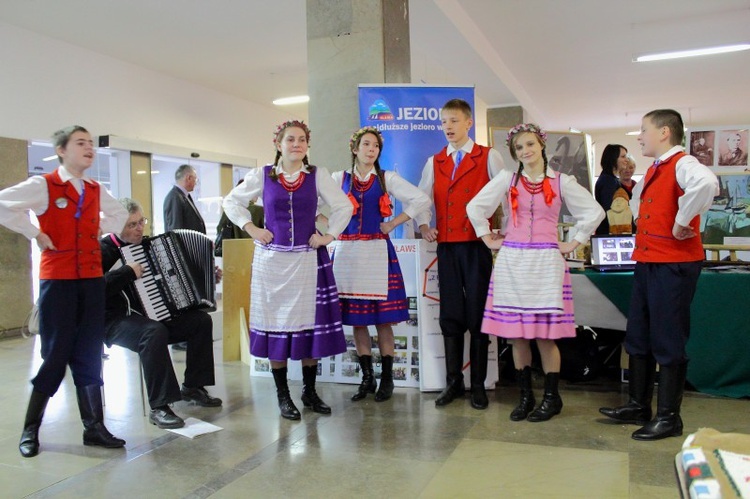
(549, 173)
(368, 175)
(66, 176)
(280, 170)
(466, 148)
(674, 150)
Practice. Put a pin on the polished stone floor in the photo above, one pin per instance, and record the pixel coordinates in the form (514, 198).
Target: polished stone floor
(404, 447)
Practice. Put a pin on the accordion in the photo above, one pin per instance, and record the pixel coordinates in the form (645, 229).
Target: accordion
(178, 273)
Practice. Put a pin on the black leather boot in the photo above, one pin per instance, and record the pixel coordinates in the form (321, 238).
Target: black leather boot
(385, 390)
(667, 422)
(309, 396)
(368, 385)
(526, 405)
(92, 416)
(551, 402)
(641, 390)
(478, 360)
(29, 444)
(286, 405)
(454, 362)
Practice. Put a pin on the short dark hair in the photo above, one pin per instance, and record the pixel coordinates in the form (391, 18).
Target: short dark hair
(670, 119)
(61, 137)
(182, 170)
(458, 105)
(609, 158)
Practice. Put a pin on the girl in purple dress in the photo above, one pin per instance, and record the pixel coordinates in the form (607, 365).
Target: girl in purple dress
(294, 307)
(530, 296)
(369, 279)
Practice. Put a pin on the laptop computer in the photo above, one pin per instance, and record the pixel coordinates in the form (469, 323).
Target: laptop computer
(612, 253)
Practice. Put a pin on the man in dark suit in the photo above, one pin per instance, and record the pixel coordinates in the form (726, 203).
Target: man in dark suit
(127, 326)
(180, 210)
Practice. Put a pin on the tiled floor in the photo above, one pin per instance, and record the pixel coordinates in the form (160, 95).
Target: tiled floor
(405, 447)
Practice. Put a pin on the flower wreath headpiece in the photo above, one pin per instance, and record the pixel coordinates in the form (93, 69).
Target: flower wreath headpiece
(525, 127)
(288, 124)
(359, 133)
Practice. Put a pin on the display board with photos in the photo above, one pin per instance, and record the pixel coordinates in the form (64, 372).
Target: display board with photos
(725, 151)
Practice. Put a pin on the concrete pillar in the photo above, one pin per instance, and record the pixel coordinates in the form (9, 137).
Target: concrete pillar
(350, 42)
(15, 249)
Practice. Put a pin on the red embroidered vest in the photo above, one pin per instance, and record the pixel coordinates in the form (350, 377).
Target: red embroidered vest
(78, 255)
(654, 242)
(452, 196)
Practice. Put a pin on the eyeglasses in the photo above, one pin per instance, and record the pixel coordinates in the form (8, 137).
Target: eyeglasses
(140, 223)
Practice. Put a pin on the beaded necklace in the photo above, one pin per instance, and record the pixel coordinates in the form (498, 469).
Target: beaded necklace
(362, 186)
(294, 185)
(532, 188)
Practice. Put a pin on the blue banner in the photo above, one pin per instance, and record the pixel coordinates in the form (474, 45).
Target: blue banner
(409, 118)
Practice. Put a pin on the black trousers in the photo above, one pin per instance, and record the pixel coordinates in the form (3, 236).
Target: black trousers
(464, 271)
(659, 316)
(151, 340)
(71, 329)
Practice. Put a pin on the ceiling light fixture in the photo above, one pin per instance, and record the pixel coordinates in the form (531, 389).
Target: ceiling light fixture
(692, 53)
(50, 158)
(574, 130)
(634, 132)
(286, 101)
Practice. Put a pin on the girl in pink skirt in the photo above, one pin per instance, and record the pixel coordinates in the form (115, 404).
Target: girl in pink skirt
(530, 296)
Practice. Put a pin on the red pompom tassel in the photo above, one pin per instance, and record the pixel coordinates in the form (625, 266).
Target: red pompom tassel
(354, 202)
(386, 209)
(514, 204)
(549, 194)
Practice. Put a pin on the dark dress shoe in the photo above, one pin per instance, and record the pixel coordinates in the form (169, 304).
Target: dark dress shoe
(311, 400)
(29, 445)
(479, 397)
(165, 418)
(199, 396)
(451, 393)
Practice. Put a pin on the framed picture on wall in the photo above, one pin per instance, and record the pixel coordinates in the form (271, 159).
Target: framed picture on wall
(567, 152)
(702, 146)
(729, 215)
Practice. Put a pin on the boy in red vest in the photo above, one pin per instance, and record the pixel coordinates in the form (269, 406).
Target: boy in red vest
(666, 205)
(451, 178)
(68, 206)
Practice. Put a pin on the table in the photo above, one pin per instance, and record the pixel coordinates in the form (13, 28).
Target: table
(719, 344)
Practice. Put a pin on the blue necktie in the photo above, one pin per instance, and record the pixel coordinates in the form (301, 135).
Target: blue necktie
(455, 166)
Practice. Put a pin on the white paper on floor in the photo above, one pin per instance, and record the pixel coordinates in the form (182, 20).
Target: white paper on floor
(195, 428)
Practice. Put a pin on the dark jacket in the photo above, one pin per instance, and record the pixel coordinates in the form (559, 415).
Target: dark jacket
(179, 213)
(604, 191)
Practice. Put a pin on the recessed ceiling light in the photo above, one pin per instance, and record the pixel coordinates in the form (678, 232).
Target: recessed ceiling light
(692, 53)
(299, 99)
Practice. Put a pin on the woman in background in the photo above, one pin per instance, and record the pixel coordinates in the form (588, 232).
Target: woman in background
(614, 157)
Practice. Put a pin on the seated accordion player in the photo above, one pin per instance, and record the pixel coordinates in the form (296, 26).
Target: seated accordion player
(178, 273)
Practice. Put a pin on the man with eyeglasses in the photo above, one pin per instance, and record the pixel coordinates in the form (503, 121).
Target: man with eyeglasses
(127, 326)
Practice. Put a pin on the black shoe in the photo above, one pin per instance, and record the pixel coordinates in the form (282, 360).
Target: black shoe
(641, 391)
(92, 417)
(29, 444)
(287, 408)
(527, 401)
(165, 418)
(368, 384)
(667, 422)
(181, 346)
(312, 401)
(199, 396)
(630, 413)
(551, 404)
(385, 390)
(479, 397)
(452, 392)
